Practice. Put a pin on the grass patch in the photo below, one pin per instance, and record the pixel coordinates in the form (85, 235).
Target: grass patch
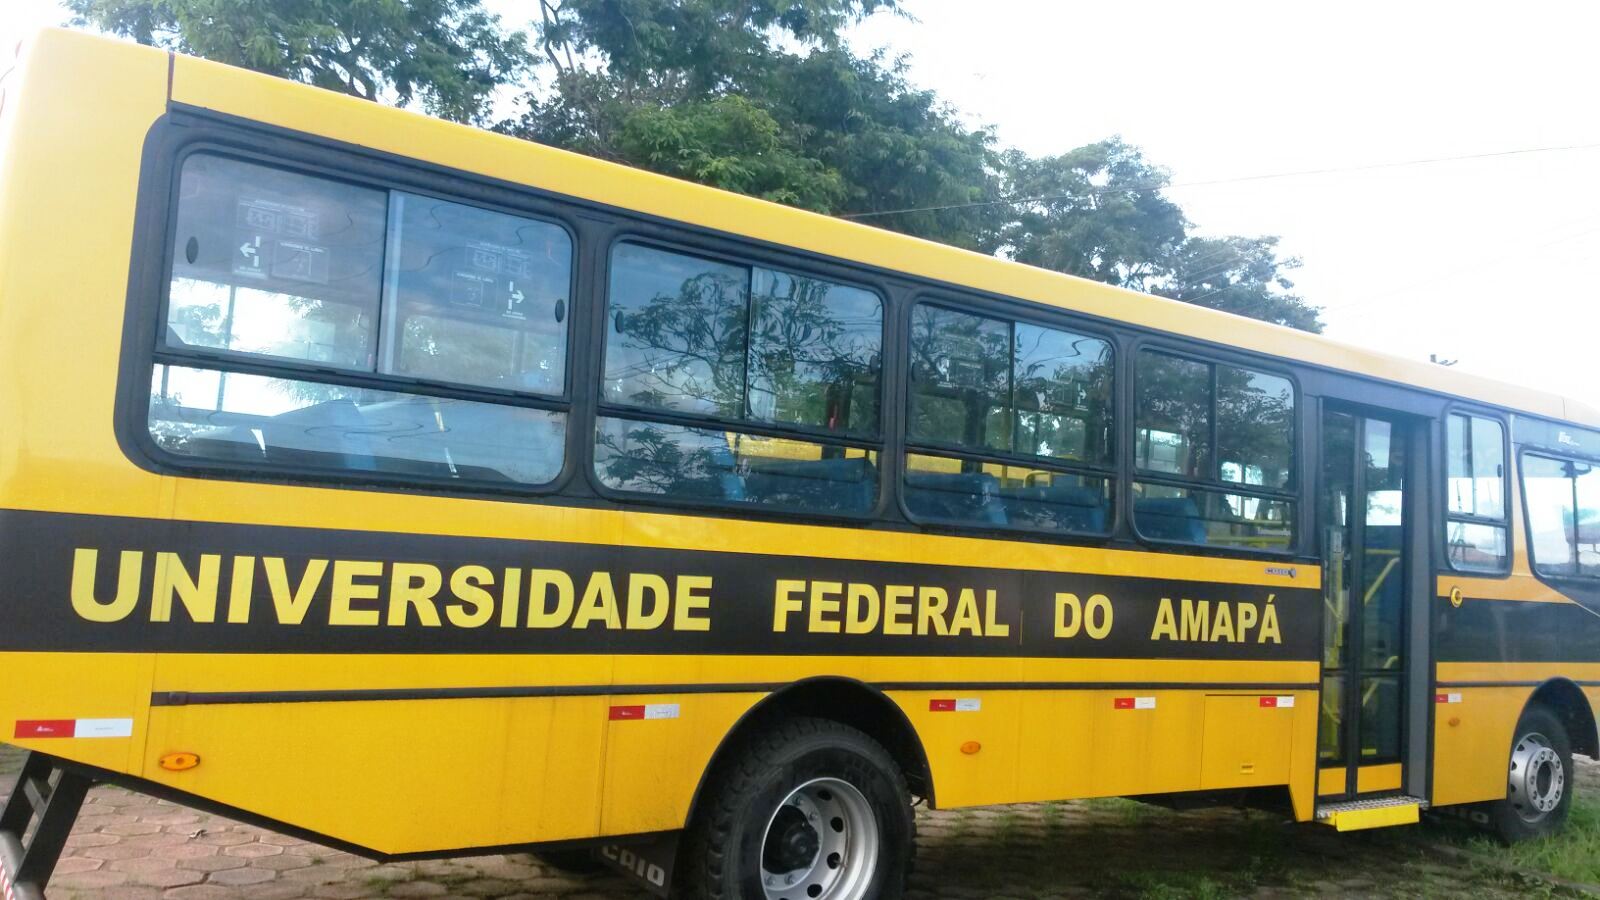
(1572, 855)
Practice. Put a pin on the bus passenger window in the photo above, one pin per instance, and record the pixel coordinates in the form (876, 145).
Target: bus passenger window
(277, 264)
(476, 297)
(416, 302)
(815, 352)
(776, 373)
(1233, 488)
(1550, 488)
(1476, 527)
(1174, 415)
(1010, 424)
(676, 339)
(711, 464)
(251, 419)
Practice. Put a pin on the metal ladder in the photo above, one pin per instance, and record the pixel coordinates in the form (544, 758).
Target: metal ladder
(35, 824)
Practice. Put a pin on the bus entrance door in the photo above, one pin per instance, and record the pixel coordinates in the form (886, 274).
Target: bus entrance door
(1363, 516)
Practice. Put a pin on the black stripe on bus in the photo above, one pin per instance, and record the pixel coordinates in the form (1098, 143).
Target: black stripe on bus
(215, 698)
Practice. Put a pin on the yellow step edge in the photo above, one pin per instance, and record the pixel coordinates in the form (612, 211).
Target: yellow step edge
(1375, 817)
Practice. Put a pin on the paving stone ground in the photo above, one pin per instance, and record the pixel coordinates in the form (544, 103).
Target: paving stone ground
(128, 846)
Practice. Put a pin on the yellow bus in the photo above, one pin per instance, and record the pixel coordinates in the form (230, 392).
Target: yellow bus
(423, 491)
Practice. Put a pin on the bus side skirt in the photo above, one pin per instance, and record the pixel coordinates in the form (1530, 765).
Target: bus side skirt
(35, 824)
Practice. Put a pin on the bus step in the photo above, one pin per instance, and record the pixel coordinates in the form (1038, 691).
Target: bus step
(35, 824)
(1380, 812)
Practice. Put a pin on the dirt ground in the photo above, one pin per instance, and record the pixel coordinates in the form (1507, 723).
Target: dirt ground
(130, 847)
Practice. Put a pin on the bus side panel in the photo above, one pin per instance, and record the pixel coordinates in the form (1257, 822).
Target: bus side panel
(658, 747)
(1472, 741)
(73, 125)
(88, 707)
(1026, 746)
(424, 775)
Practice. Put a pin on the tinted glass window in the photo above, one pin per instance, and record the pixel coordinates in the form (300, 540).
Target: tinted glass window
(275, 263)
(1195, 516)
(1255, 427)
(991, 384)
(677, 336)
(815, 352)
(1063, 395)
(1552, 513)
(996, 494)
(1476, 449)
(1174, 416)
(476, 297)
(730, 467)
(254, 420)
(960, 379)
(1588, 524)
(1474, 545)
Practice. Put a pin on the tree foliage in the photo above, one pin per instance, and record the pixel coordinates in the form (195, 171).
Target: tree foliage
(761, 97)
(446, 55)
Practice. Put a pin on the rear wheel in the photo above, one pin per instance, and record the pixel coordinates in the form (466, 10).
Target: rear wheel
(807, 810)
(1539, 779)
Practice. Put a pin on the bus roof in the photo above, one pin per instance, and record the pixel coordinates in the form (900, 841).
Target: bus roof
(297, 107)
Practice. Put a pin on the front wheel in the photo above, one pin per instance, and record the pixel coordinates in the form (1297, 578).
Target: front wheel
(1539, 779)
(808, 810)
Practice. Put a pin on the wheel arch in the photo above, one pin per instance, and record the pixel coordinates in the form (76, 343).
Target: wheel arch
(843, 700)
(1566, 700)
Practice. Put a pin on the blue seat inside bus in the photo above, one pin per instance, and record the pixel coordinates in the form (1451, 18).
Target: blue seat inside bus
(843, 485)
(1060, 507)
(1170, 519)
(961, 496)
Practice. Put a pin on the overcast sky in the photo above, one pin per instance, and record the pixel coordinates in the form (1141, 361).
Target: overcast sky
(1487, 261)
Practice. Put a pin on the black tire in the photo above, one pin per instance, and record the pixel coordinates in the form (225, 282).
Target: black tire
(571, 862)
(1540, 764)
(727, 844)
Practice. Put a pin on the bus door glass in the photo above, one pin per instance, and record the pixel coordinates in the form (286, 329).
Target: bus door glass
(1362, 516)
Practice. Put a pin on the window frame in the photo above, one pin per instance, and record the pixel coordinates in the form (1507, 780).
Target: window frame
(1013, 313)
(163, 204)
(1290, 494)
(1527, 512)
(749, 257)
(1447, 517)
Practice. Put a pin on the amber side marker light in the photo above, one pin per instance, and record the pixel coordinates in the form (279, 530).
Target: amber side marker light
(971, 747)
(180, 762)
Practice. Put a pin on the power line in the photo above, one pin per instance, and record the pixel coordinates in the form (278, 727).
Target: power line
(1157, 186)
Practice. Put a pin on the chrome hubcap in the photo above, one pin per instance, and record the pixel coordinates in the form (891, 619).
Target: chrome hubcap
(1537, 778)
(822, 842)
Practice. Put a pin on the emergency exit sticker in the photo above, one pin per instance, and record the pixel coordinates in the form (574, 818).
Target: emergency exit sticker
(1280, 702)
(1134, 703)
(73, 728)
(955, 704)
(1447, 698)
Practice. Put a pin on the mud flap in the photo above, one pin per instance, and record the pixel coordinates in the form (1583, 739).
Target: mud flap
(647, 863)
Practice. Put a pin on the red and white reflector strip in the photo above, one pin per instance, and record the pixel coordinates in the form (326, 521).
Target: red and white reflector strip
(5, 882)
(955, 704)
(1134, 703)
(1279, 702)
(1447, 698)
(73, 728)
(644, 711)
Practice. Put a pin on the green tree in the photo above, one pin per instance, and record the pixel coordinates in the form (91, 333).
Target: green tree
(760, 97)
(446, 55)
(1241, 275)
(1100, 212)
(763, 99)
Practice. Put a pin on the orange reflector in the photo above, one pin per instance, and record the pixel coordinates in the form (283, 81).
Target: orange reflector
(971, 747)
(180, 762)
